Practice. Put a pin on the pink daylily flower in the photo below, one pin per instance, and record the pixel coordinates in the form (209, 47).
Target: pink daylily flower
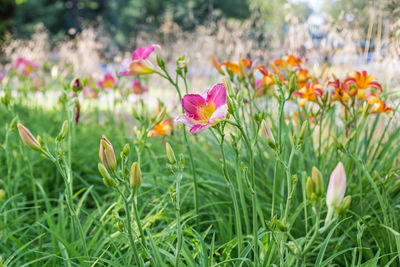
(108, 81)
(26, 66)
(205, 110)
(138, 88)
(139, 63)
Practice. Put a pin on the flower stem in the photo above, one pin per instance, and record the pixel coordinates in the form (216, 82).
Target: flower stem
(233, 194)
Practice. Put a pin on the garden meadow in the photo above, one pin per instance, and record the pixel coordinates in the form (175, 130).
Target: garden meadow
(269, 161)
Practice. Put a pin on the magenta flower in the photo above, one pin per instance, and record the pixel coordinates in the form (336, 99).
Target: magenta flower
(1, 76)
(139, 64)
(205, 110)
(108, 82)
(26, 66)
(138, 88)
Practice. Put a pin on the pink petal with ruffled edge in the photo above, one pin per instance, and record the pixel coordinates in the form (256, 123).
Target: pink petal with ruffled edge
(217, 95)
(143, 52)
(186, 120)
(191, 104)
(198, 128)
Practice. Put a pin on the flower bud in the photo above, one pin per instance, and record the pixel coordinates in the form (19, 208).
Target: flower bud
(107, 155)
(126, 149)
(303, 130)
(318, 181)
(63, 132)
(13, 124)
(292, 83)
(160, 62)
(265, 130)
(344, 206)
(228, 85)
(28, 138)
(170, 153)
(107, 179)
(136, 176)
(2, 194)
(336, 187)
(161, 115)
(76, 85)
(309, 187)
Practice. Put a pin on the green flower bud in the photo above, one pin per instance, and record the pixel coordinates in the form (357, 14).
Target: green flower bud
(309, 187)
(136, 176)
(28, 138)
(2, 194)
(303, 130)
(170, 153)
(107, 179)
(107, 155)
(318, 181)
(160, 62)
(126, 149)
(63, 131)
(344, 206)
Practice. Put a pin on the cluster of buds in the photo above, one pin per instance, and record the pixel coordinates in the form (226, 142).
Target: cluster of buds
(173, 163)
(315, 187)
(109, 164)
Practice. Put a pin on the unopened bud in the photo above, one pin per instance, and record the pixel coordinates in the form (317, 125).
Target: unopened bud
(2, 194)
(63, 131)
(344, 206)
(136, 176)
(170, 153)
(228, 85)
(126, 149)
(76, 85)
(309, 187)
(303, 130)
(107, 155)
(281, 226)
(160, 62)
(28, 138)
(336, 187)
(13, 123)
(292, 83)
(317, 181)
(107, 179)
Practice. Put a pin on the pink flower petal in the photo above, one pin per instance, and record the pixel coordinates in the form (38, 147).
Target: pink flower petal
(185, 120)
(191, 103)
(219, 114)
(217, 95)
(143, 52)
(198, 128)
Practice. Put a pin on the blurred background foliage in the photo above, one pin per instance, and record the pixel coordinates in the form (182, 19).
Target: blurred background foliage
(124, 17)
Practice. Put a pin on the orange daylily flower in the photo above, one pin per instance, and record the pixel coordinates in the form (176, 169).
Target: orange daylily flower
(378, 106)
(237, 68)
(285, 63)
(309, 93)
(341, 92)
(294, 61)
(164, 128)
(302, 77)
(362, 81)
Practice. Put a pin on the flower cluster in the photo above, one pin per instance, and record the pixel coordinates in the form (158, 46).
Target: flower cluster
(26, 67)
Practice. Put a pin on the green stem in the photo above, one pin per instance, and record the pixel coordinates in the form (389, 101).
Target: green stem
(129, 226)
(192, 166)
(178, 220)
(233, 195)
(137, 218)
